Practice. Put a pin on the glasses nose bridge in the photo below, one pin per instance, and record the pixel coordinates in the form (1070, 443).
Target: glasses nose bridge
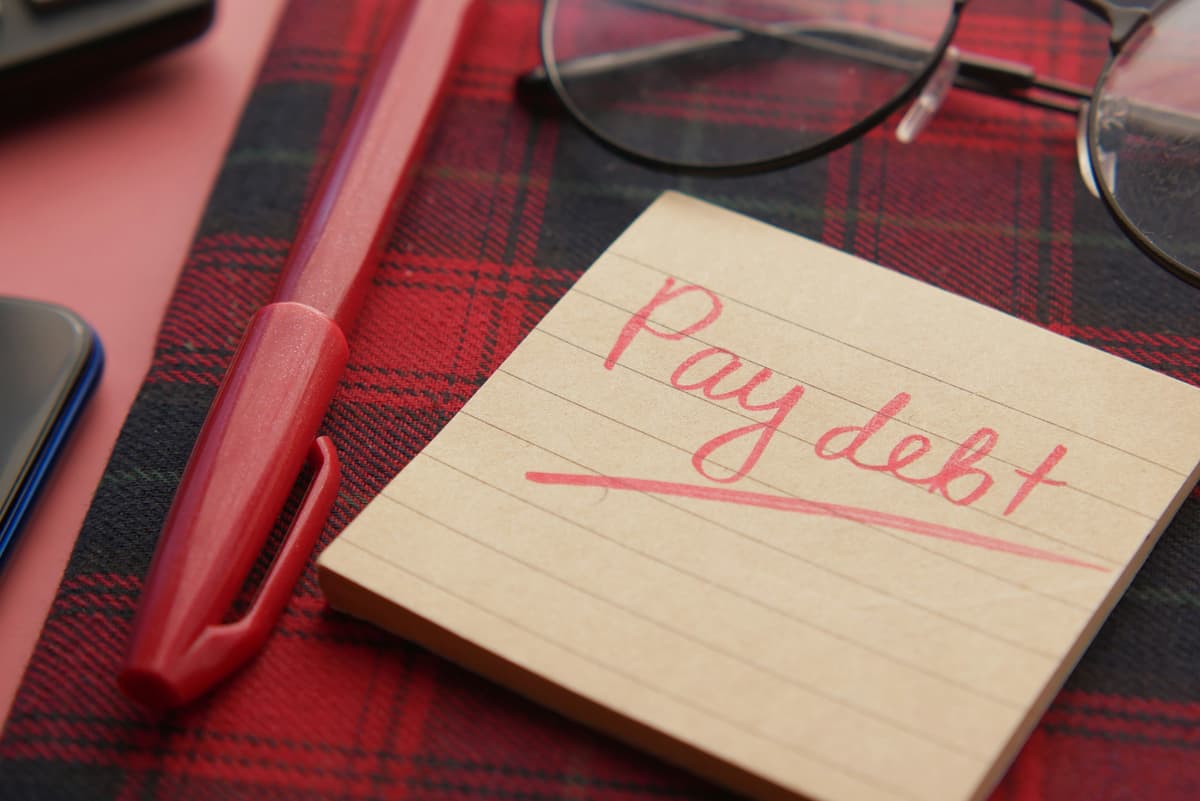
(1121, 19)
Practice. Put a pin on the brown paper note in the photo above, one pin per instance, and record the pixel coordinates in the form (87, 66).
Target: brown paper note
(798, 523)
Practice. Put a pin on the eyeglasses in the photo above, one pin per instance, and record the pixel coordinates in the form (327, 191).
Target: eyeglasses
(738, 86)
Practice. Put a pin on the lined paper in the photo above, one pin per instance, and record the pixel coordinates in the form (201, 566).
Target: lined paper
(796, 522)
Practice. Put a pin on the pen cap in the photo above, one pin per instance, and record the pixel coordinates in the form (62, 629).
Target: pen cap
(261, 429)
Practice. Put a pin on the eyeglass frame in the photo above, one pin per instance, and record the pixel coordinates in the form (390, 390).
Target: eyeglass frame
(1123, 22)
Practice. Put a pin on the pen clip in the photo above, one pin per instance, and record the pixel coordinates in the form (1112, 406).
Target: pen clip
(229, 644)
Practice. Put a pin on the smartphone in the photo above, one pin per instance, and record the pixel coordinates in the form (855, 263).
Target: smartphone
(50, 361)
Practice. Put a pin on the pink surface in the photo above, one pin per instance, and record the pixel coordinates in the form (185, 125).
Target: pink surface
(97, 209)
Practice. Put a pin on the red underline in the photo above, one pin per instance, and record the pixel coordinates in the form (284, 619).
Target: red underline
(786, 503)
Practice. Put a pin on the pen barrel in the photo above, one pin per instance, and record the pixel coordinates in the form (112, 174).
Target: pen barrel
(250, 451)
(350, 221)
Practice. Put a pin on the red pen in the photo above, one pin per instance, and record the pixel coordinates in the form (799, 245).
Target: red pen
(263, 423)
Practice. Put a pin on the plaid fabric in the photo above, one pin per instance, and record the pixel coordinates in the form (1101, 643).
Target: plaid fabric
(509, 206)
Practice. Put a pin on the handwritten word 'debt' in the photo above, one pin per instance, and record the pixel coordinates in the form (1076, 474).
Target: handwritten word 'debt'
(720, 375)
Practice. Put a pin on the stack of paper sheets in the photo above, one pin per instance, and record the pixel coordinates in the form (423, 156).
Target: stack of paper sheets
(801, 524)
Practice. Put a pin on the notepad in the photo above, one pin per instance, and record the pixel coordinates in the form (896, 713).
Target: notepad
(798, 523)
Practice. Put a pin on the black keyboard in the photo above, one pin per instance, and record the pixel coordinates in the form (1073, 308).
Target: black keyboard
(47, 45)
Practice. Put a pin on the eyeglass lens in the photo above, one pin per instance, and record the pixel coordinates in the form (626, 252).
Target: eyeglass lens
(1146, 130)
(734, 82)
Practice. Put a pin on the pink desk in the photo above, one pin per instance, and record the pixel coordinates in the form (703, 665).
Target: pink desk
(97, 209)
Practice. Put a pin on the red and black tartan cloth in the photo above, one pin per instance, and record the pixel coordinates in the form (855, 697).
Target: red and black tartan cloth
(510, 204)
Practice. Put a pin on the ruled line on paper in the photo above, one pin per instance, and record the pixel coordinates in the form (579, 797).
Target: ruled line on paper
(803, 622)
(810, 386)
(689, 636)
(1007, 521)
(967, 390)
(873, 526)
(694, 640)
(846, 770)
(762, 543)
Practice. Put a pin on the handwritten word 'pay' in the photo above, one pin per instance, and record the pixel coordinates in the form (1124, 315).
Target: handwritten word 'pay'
(714, 373)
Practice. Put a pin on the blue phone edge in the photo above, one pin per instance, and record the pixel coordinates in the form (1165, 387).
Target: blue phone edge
(56, 439)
